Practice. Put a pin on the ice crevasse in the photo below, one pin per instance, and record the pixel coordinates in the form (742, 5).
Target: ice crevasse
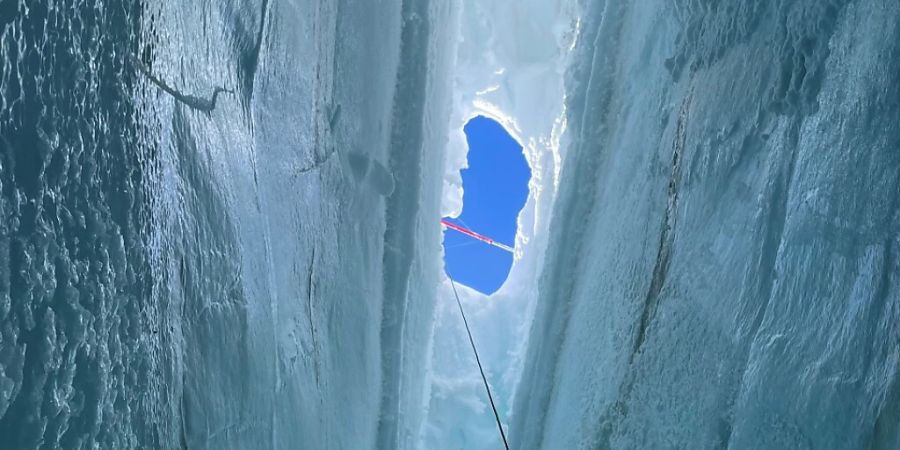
(709, 256)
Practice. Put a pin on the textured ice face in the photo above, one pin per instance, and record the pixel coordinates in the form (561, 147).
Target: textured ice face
(722, 269)
(77, 322)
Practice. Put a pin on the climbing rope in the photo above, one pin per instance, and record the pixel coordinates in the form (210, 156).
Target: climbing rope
(480, 369)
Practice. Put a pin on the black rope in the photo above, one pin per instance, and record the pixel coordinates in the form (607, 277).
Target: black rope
(478, 360)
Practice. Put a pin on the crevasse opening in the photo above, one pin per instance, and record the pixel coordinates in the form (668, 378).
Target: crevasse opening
(478, 244)
(509, 68)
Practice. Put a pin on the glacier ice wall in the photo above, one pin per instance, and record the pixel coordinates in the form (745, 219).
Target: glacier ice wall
(723, 262)
(253, 268)
(322, 174)
(306, 322)
(272, 215)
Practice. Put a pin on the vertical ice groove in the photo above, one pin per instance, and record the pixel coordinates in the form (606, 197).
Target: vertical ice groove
(401, 212)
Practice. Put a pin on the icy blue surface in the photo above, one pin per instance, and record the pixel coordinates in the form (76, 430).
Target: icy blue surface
(724, 265)
(81, 344)
(174, 275)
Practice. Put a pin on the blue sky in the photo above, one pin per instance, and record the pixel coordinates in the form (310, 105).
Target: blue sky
(495, 188)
